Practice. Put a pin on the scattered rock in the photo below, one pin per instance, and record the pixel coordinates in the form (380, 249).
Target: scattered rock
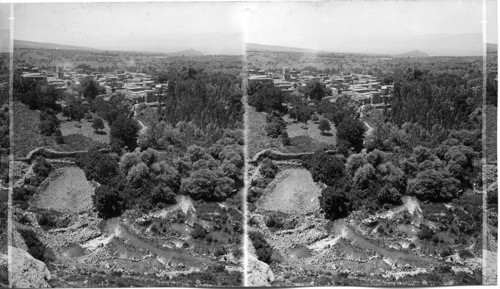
(258, 273)
(28, 272)
(279, 279)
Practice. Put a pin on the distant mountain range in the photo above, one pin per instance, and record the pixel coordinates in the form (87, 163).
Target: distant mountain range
(40, 45)
(413, 54)
(440, 44)
(277, 48)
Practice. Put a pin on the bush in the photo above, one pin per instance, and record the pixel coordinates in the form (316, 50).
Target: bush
(98, 124)
(268, 169)
(124, 133)
(352, 131)
(324, 167)
(35, 247)
(262, 248)
(285, 138)
(333, 201)
(108, 202)
(98, 166)
(42, 167)
(208, 185)
(425, 232)
(198, 231)
(59, 137)
(47, 127)
(434, 186)
(324, 125)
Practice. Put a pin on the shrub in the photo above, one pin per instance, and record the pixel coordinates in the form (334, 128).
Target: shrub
(285, 138)
(47, 127)
(262, 248)
(425, 232)
(434, 186)
(59, 137)
(324, 167)
(98, 124)
(98, 166)
(333, 200)
(198, 231)
(275, 127)
(124, 133)
(274, 221)
(42, 167)
(108, 202)
(35, 247)
(352, 131)
(268, 169)
(324, 125)
(208, 185)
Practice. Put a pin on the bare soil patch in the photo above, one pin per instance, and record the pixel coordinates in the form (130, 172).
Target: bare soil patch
(65, 190)
(293, 192)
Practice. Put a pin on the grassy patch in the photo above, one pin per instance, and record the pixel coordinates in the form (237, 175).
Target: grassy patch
(27, 136)
(85, 128)
(311, 130)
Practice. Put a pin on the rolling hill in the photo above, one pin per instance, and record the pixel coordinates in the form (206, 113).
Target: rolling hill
(24, 44)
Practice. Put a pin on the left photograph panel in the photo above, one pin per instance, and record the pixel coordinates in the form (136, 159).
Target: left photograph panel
(127, 145)
(5, 53)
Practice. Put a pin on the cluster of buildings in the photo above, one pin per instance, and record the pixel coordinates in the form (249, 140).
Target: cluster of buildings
(366, 89)
(138, 87)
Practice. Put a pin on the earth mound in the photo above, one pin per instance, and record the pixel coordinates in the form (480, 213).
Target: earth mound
(65, 190)
(293, 192)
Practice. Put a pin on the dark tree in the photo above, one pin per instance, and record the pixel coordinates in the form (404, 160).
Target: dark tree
(352, 131)
(316, 90)
(108, 202)
(324, 167)
(124, 133)
(333, 200)
(324, 125)
(90, 88)
(98, 166)
(98, 124)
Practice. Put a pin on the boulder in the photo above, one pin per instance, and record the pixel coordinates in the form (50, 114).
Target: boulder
(27, 272)
(258, 273)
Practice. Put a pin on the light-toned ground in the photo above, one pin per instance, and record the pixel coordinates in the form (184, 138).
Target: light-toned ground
(297, 129)
(71, 127)
(293, 191)
(65, 190)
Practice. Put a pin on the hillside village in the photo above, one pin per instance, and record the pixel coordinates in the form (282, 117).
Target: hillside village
(137, 87)
(364, 88)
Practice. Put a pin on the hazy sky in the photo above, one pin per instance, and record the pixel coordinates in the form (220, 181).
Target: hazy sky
(136, 26)
(343, 26)
(362, 26)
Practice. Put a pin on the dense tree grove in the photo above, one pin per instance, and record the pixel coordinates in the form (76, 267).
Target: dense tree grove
(447, 101)
(203, 99)
(4, 143)
(149, 177)
(265, 97)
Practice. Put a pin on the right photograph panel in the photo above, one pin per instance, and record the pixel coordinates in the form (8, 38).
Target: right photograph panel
(364, 132)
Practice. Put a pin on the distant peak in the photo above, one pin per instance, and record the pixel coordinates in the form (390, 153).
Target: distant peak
(414, 53)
